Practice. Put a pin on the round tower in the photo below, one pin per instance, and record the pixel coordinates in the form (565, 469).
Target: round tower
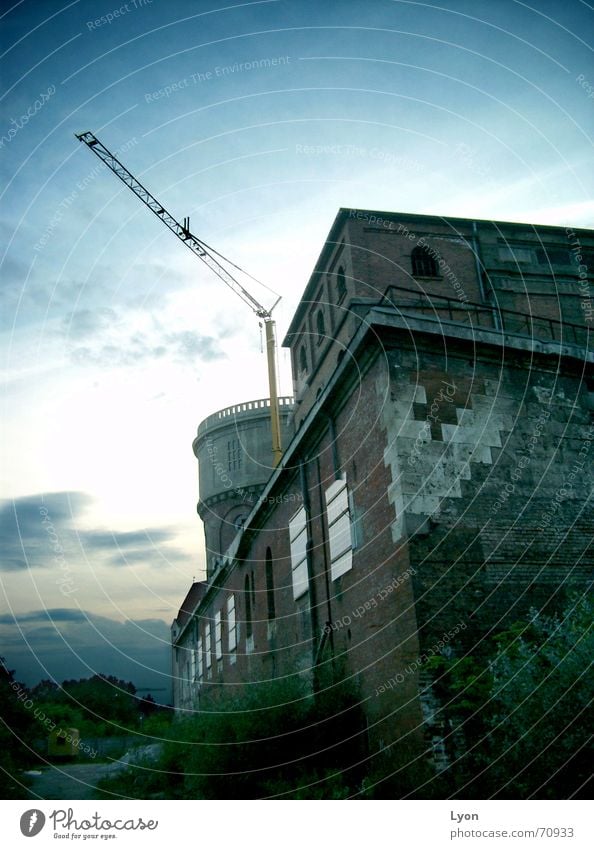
(234, 452)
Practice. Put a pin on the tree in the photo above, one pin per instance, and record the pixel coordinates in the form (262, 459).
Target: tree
(519, 717)
(540, 720)
(18, 730)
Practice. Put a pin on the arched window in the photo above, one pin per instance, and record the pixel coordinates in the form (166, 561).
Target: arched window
(423, 262)
(302, 359)
(340, 284)
(270, 585)
(320, 326)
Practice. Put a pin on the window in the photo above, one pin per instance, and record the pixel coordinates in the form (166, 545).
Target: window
(298, 542)
(270, 586)
(248, 607)
(423, 262)
(320, 326)
(339, 528)
(218, 636)
(208, 645)
(200, 659)
(515, 254)
(231, 624)
(302, 360)
(341, 287)
(553, 256)
(192, 665)
(233, 455)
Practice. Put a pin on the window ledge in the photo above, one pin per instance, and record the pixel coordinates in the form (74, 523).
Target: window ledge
(427, 277)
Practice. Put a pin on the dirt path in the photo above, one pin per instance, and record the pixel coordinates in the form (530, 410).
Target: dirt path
(69, 781)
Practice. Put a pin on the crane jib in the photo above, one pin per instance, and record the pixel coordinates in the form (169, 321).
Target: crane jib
(206, 254)
(193, 242)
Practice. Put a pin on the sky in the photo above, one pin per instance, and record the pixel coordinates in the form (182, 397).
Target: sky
(258, 120)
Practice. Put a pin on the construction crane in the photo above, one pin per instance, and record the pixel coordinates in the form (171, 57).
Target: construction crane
(208, 256)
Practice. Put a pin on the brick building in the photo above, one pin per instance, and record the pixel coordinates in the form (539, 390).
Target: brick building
(436, 478)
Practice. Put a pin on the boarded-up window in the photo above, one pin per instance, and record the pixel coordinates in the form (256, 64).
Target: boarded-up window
(298, 539)
(218, 636)
(200, 659)
(516, 254)
(208, 645)
(231, 624)
(339, 528)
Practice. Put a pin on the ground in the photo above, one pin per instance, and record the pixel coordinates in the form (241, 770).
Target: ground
(69, 781)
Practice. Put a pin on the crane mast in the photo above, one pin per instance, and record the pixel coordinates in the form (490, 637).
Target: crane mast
(208, 256)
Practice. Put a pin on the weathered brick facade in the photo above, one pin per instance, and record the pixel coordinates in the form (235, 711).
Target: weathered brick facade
(464, 434)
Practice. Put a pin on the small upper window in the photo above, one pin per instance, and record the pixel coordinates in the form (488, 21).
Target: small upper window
(513, 253)
(423, 262)
(233, 455)
(553, 256)
(341, 287)
(320, 326)
(302, 359)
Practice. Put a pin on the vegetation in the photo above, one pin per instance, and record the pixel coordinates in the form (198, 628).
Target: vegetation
(273, 741)
(524, 710)
(17, 729)
(515, 720)
(100, 706)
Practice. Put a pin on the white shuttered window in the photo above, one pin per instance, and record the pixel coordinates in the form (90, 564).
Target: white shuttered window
(200, 659)
(339, 528)
(231, 624)
(218, 635)
(208, 646)
(298, 539)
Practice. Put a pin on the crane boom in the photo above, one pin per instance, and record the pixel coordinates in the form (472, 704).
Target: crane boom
(196, 245)
(205, 253)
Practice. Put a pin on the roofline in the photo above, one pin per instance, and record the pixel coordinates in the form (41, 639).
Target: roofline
(344, 213)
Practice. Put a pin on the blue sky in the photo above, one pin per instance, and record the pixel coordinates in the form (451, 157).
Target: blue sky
(259, 120)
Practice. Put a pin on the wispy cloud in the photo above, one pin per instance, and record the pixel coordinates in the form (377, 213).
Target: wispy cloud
(70, 643)
(37, 528)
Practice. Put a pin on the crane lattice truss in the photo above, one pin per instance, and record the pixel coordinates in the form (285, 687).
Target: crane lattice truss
(196, 245)
(207, 255)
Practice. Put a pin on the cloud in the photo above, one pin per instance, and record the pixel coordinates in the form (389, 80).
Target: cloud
(36, 530)
(190, 346)
(25, 526)
(78, 644)
(149, 546)
(57, 614)
(143, 347)
(81, 323)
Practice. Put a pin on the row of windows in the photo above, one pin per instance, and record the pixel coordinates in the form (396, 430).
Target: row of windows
(226, 629)
(339, 284)
(523, 255)
(424, 264)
